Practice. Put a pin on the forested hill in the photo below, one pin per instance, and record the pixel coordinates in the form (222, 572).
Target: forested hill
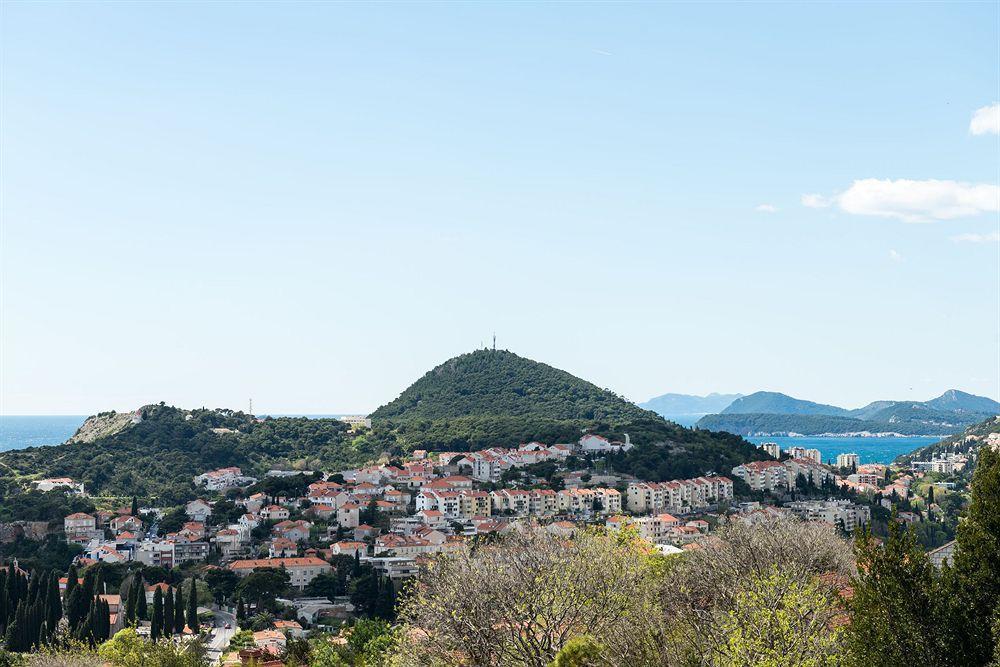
(966, 442)
(771, 402)
(488, 398)
(500, 383)
(155, 451)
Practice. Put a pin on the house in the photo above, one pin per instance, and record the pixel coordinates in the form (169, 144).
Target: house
(281, 547)
(763, 475)
(364, 531)
(272, 641)
(591, 443)
(274, 513)
(290, 628)
(300, 570)
(63, 483)
(349, 515)
(229, 541)
(296, 531)
(222, 479)
(164, 588)
(81, 528)
(127, 522)
(198, 510)
(349, 548)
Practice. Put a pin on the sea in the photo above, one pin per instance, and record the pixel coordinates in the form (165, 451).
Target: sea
(869, 450)
(18, 432)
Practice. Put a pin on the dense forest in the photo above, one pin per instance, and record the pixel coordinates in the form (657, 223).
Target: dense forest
(157, 457)
(500, 383)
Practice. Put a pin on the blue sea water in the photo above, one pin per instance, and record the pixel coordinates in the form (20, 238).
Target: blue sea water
(869, 450)
(18, 432)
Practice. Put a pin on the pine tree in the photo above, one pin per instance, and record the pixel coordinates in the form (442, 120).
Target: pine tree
(894, 605)
(974, 581)
(168, 614)
(156, 627)
(179, 610)
(192, 607)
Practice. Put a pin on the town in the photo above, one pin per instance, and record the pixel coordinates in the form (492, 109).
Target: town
(327, 531)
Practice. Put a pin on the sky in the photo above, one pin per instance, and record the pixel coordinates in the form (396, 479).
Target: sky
(313, 204)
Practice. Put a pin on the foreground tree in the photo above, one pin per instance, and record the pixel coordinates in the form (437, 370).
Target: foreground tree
(730, 587)
(520, 600)
(781, 621)
(974, 582)
(192, 607)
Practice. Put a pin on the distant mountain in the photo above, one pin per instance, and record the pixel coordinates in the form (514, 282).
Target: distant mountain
(671, 405)
(771, 402)
(768, 413)
(500, 383)
(959, 401)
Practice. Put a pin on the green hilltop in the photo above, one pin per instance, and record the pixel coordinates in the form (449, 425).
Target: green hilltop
(500, 383)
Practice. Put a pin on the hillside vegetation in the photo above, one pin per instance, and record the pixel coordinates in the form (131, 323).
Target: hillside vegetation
(156, 455)
(966, 442)
(500, 383)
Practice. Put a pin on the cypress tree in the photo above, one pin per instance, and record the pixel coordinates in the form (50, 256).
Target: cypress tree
(4, 613)
(72, 580)
(168, 614)
(75, 608)
(156, 627)
(179, 610)
(13, 591)
(33, 587)
(192, 607)
(131, 601)
(241, 610)
(141, 608)
(53, 610)
(135, 506)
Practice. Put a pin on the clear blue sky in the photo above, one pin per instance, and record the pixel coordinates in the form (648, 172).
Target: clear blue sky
(313, 204)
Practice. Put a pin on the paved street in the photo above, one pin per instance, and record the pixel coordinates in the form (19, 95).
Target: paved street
(220, 636)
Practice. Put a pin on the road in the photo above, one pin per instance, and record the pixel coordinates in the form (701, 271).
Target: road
(220, 636)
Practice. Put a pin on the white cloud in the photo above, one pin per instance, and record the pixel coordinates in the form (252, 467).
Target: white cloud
(895, 256)
(816, 201)
(912, 201)
(992, 237)
(986, 120)
(765, 208)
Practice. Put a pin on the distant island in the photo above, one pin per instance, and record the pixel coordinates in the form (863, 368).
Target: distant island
(774, 414)
(687, 405)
